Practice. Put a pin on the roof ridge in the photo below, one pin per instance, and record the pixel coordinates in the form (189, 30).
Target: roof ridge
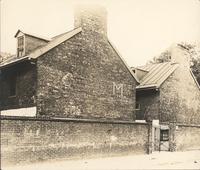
(33, 35)
(140, 69)
(151, 64)
(63, 33)
(55, 42)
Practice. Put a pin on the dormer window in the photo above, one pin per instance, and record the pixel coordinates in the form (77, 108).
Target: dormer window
(27, 43)
(20, 46)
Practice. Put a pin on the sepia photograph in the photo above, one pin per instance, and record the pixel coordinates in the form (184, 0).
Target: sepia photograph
(99, 84)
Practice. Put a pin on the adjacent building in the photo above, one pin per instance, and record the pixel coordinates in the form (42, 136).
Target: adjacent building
(169, 91)
(169, 96)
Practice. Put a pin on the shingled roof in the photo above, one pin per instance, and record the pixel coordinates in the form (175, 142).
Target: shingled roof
(156, 74)
(40, 51)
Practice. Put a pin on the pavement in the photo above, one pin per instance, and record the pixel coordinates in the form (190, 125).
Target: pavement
(157, 160)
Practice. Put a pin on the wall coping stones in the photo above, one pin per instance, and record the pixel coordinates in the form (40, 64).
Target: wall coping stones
(188, 125)
(57, 119)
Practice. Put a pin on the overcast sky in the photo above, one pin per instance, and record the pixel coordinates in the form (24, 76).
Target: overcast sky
(140, 29)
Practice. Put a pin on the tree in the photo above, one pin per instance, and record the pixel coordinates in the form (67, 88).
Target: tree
(196, 68)
(163, 57)
(4, 56)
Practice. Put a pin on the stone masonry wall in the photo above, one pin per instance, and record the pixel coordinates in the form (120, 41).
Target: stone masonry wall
(25, 86)
(180, 98)
(185, 137)
(84, 77)
(24, 141)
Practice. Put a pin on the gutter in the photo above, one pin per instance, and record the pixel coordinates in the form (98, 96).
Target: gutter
(26, 58)
(147, 88)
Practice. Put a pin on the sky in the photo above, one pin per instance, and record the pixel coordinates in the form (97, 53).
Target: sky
(140, 29)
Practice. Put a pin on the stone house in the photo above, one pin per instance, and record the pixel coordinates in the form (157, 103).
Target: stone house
(69, 96)
(168, 93)
(77, 74)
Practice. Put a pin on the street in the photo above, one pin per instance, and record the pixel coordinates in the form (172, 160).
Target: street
(157, 160)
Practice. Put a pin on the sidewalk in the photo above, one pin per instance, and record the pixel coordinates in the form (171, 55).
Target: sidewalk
(158, 160)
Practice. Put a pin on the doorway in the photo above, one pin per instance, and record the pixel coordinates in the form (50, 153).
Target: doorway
(160, 137)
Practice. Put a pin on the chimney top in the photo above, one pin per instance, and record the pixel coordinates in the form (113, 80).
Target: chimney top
(91, 17)
(180, 54)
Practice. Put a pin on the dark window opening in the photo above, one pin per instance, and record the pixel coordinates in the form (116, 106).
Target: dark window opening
(137, 107)
(20, 41)
(20, 45)
(164, 135)
(12, 86)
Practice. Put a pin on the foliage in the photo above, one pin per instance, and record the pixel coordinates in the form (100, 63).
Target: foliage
(194, 50)
(4, 56)
(196, 68)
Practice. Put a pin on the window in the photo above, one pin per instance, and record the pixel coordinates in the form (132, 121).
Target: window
(20, 41)
(164, 135)
(20, 46)
(137, 107)
(12, 86)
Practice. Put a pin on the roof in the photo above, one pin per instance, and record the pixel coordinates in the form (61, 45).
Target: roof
(55, 42)
(157, 74)
(139, 69)
(33, 35)
(40, 51)
(12, 60)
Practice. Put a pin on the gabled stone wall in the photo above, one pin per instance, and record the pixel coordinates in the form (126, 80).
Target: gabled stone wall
(84, 77)
(180, 98)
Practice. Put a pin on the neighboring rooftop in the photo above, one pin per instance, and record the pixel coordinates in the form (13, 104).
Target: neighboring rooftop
(156, 74)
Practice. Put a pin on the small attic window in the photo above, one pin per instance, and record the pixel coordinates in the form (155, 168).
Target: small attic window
(20, 46)
(20, 41)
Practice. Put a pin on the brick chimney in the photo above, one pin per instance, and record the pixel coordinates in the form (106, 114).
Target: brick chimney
(92, 19)
(180, 54)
